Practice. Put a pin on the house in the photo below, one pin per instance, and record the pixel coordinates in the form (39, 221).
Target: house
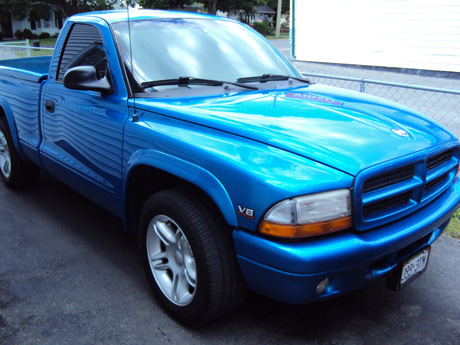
(52, 25)
(401, 34)
(261, 14)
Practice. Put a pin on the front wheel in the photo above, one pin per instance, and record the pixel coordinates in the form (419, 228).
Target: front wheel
(189, 258)
(15, 172)
(171, 260)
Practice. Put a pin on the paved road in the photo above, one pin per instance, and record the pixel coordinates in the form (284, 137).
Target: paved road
(70, 275)
(358, 72)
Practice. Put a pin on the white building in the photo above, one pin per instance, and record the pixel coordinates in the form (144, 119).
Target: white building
(413, 34)
(261, 14)
(52, 25)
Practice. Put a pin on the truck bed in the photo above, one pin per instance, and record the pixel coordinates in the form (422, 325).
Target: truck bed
(32, 69)
(21, 82)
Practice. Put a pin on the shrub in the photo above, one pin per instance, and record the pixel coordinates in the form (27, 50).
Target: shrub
(26, 33)
(44, 35)
(18, 34)
(262, 27)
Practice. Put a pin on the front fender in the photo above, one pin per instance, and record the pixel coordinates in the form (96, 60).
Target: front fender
(188, 172)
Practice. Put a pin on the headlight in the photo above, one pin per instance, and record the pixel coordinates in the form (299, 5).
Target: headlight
(309, 215)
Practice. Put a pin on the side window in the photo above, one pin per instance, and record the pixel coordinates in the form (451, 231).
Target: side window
(83, 48)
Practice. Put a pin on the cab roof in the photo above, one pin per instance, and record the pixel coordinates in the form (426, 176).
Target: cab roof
(116, 16)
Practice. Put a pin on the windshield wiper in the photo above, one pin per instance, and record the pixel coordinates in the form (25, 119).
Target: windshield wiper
(270, 77)
(184, 81)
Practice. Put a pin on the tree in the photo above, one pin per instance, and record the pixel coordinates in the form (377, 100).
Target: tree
(164, 4)
(212, 6)
(20, 9)
(39, 11)
(71, 7)
(285, 7)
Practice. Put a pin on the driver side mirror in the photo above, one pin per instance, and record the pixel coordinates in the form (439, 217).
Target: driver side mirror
(85, 78)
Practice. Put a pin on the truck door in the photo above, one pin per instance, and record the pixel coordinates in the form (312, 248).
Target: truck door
(83, 130)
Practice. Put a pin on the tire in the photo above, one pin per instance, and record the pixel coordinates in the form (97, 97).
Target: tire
(189, 258)
(15, 172)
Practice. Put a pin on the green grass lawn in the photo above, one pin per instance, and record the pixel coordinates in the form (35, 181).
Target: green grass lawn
(40, 52)
(453, 230)
(44, 43)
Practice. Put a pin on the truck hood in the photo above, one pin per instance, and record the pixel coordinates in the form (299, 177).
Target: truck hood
(343, 129)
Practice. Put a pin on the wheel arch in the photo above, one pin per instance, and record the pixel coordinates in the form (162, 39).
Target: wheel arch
(7, 113)
(150, 171)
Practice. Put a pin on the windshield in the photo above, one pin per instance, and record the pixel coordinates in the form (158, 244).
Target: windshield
(200, 48)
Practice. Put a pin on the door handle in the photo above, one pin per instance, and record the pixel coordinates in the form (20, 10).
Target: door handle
(49, 106)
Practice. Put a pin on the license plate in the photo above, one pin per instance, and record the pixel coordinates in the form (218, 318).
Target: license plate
(414, 267)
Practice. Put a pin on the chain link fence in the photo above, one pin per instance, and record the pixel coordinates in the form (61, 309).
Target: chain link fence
(443, 105)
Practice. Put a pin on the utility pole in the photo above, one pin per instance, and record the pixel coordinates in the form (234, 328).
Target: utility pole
(278, 19)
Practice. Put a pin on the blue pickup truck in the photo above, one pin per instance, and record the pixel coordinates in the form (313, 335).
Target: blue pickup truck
(235, 171)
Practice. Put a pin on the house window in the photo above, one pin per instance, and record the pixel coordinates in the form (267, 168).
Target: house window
(58, 20)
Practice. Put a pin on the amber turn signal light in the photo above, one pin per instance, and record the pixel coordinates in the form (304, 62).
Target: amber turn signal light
(304, 230)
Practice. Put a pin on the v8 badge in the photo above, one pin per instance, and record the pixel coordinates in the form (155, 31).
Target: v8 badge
(246, 212)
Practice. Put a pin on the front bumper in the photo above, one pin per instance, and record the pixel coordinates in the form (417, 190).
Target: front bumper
(290, 271)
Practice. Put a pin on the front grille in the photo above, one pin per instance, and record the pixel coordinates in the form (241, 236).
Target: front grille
(440, 169)
(438, 159)
(388, 179)
(433, 183)
(386, 204)
(396, 189)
